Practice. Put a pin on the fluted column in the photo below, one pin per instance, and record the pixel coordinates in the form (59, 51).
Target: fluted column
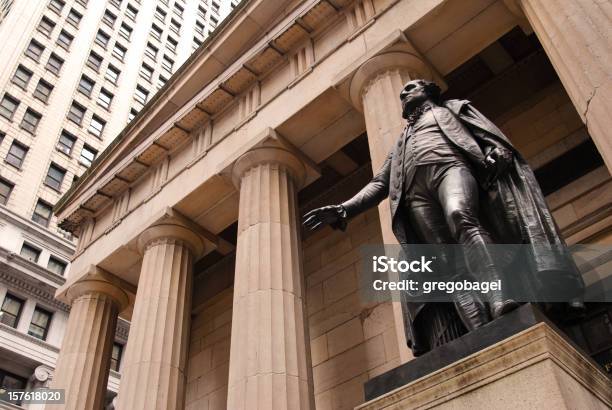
(84, 361)
(375, 89)
(577, 37)
(270, 364)
(154, 364)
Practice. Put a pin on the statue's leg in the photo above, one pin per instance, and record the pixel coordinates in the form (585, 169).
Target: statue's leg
(441, 322)
(458, 195)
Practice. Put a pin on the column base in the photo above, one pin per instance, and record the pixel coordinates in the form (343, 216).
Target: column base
(518, 361)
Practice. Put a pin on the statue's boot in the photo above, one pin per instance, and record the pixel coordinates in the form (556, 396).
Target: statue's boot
(471, 309)
(482, 266)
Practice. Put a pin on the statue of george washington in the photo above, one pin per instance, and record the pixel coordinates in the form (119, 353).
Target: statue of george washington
(454, 178)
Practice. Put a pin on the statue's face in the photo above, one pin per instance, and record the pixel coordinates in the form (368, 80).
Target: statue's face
(412, 96)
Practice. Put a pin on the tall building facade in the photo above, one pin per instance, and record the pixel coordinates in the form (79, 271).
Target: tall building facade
(75, 73)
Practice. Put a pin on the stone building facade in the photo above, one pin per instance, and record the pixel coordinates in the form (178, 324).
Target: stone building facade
(188, 224)
(74, 73)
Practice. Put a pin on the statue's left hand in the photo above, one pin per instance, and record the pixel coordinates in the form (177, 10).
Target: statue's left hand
(498, 160)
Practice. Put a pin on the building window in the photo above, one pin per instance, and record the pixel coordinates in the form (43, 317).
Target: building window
(151, 51)
(171, 44)
(156, 32)
(146, 72)
(112, 74)
(16, 154)
(178, 9)
(161, 81)
(46, 26)
(125, 31)
(202, 12)
(175, 26)
(74, 18)
(86, 85)
(167, 63)
(160, 15)
(34, 50)
(96, 127)
(116, 356)
(6, 188)
(109, 18)
(10, 381)
(82, 3)
(132, 115)
(76, 113)
(119, 51)
(88, 154)
(215, 7)
(57, 6)
(22, 77)
(54, 64)
(39, 326)
(131, 12)
(11, 310)
(213, 21)
(29, 252)
(43, 91)
(57, 266)
(55, 177)
(66, 142)
(116, 3)
(105, 98)
(64, 40)
(94, 61)
(102, 39)
(199, 27)
(8, 106)
(42, 213)
(141, 95)
(30, 120)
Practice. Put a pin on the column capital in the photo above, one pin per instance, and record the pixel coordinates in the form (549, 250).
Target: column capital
(408, 63)
(393, 53)
(269, 147)
(97, 281)
(171, 225)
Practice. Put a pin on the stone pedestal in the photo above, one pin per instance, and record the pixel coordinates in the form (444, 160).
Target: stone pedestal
(154, 365)
(536, 368)
(84, 361)
(270, 355)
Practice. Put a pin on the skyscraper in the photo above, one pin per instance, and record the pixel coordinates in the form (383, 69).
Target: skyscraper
(75, 72)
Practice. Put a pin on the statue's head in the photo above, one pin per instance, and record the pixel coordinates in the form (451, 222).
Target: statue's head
(416, 92)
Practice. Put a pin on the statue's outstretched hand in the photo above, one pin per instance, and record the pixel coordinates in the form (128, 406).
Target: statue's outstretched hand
(333, 215)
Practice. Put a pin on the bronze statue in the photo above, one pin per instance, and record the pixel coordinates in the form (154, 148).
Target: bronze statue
(454, 178)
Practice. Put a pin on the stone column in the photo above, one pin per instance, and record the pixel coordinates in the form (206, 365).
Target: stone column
(270, 364)
(84, 361)
(375, 89)
(577, 37)
(154, 365)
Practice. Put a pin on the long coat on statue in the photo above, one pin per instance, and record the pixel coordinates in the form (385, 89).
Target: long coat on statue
(513, 205)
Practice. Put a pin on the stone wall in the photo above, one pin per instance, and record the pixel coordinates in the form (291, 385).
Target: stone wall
(208, 361)
(351, 341)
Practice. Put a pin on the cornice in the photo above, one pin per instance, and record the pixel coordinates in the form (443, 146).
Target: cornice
(10, 258)
(30, 286)
(32, 228)
(28, 338)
